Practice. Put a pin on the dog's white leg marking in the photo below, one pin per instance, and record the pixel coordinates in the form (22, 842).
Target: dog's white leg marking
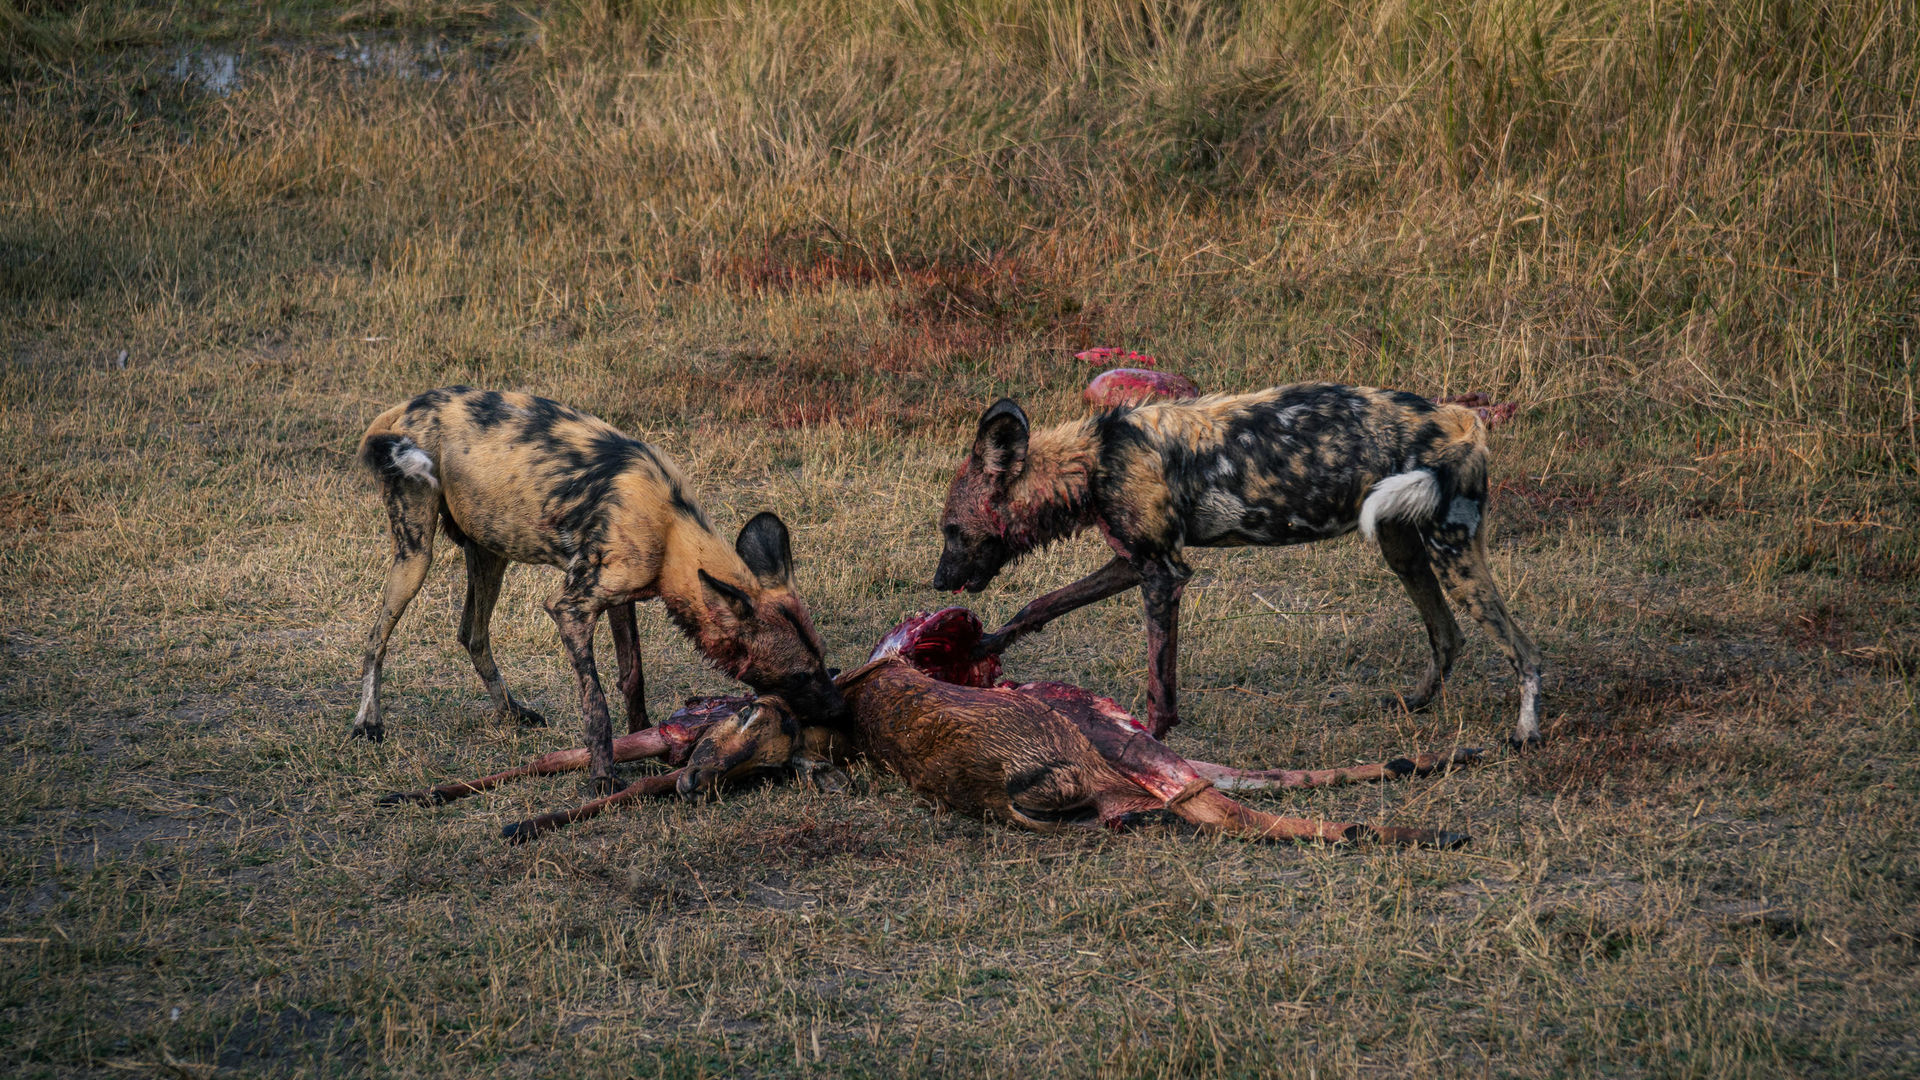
(1528, 729)
(369, 714)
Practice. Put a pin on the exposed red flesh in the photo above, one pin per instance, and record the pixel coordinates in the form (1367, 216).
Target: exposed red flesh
(941, 643)
(1489, 412)
(1137, 386)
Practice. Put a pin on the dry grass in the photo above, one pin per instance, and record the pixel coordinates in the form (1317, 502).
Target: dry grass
(798, 246)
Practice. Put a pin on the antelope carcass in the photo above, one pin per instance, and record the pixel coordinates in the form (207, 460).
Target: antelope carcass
(1039, 755)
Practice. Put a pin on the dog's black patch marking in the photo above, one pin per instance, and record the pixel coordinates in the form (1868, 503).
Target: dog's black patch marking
(431, 400)
(686, 507)
(488, 410)
(452, 529)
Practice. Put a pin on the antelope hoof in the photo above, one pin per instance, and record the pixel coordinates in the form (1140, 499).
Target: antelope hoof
(1432, 838)
(518, 833)
(828, 780)
(369, 732)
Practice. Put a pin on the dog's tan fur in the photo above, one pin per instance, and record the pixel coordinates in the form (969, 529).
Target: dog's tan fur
(517, 478)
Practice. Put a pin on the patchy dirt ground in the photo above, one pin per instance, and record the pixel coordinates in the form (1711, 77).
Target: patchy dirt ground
(1704, 513)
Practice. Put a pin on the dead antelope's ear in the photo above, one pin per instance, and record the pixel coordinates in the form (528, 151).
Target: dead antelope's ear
(740, 603)
(1000, 446)
(763, 546)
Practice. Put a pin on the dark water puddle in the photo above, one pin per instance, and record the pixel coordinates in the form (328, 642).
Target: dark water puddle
(220, 69)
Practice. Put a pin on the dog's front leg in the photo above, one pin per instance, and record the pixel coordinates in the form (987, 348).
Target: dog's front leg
(576, 618)
(626, 652)
(1162, 582)
(1110, 580)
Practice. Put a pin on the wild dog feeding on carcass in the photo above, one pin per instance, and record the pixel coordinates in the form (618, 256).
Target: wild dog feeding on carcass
(517, 478)
(1284, 466)
(1038, 755)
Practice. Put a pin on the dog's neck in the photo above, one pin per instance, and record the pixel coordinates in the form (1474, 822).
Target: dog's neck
(1053, 497)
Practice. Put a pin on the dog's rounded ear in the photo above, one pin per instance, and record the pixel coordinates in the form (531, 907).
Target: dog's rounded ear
(736, 600)
(1000, 445)
(764, 547)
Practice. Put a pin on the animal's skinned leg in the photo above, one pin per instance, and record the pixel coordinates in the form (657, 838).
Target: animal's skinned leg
(576, 619)
(1116, 577)
(1225, 778)
(626, 652)
(1400, 543)
(485, 571)
(651, 743)
(1162, 584)
(647, 787)
(1215, 812)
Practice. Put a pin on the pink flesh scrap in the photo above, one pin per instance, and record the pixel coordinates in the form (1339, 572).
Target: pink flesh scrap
(1137, 386)
(1114, 356)
(1483, 406)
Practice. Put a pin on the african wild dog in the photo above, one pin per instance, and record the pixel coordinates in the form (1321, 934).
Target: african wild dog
(1288, 465)
(516, 478)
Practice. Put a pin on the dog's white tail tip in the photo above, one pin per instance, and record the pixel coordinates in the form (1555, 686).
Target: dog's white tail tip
(1407, 496)
(414, 464)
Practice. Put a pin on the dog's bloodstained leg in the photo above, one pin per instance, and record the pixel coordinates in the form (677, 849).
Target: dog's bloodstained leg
(1116, 577)
(626, 653)
(647, 787)
(672, 740)
(1230, 779)
(1163, 582)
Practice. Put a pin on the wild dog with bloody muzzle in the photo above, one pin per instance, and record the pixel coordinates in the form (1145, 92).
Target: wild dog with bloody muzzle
(517, 478)
(1289, 465)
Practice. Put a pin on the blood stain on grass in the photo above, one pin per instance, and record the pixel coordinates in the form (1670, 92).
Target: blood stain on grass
(1653, 731)
(953, 323)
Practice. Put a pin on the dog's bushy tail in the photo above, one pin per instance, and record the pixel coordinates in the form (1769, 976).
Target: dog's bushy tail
(1450, 473)
(397, 459)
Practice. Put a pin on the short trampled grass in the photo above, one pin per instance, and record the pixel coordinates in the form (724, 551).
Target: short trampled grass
(799, 246)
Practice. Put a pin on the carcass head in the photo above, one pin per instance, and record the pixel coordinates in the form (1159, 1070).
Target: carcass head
(764, 734)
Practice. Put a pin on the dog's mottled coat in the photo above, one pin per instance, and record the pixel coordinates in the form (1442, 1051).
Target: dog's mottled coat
(518, 478)
(1289, 465)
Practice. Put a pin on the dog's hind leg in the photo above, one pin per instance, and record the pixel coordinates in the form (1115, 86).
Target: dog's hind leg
(1407, 556)
(626, 654)
(485, 570)
(413, 509)
(1459, 554)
